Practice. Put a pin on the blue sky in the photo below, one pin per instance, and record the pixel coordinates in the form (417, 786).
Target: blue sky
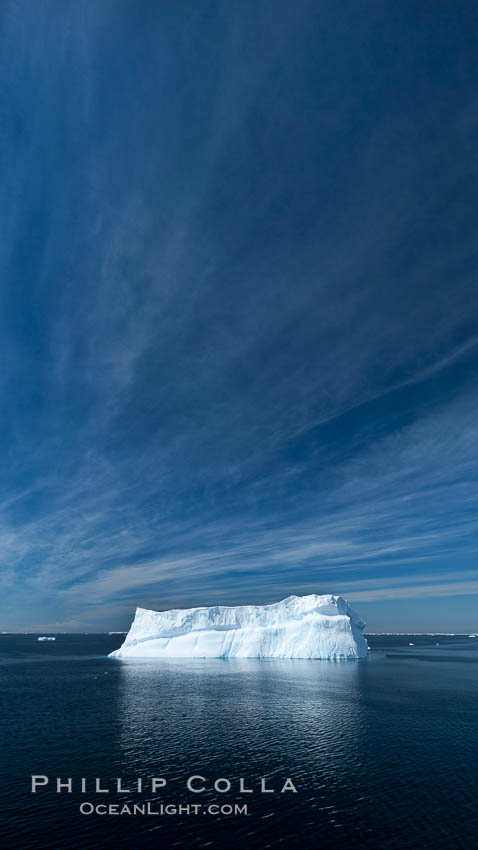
(239, 309)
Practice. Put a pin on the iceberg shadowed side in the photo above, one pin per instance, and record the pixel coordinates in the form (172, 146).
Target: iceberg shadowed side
(297, 627)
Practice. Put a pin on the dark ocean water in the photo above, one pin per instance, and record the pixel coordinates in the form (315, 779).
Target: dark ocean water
(383, 752)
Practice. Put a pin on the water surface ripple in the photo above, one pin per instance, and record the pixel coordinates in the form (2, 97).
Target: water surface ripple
(383, 751)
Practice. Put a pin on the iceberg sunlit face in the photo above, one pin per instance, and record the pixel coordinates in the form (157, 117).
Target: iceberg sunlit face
(297, 627)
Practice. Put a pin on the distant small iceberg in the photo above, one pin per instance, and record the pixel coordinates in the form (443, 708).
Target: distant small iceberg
(46, 638)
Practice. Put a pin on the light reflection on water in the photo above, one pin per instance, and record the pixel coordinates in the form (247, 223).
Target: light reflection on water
(209, 715)
(381, 750)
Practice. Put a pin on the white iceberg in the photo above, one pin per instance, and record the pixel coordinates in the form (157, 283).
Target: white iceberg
(297, 627)
(46, 638)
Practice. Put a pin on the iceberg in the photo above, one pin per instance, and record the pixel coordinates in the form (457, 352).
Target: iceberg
(297, 627)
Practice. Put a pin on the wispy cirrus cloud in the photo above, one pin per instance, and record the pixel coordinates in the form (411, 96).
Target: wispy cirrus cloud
(235, 365)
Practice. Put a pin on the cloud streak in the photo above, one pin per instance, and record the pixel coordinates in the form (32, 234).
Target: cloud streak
(235, 366)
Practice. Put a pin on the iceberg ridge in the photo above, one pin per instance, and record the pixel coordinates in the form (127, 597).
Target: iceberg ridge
(321, 627)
